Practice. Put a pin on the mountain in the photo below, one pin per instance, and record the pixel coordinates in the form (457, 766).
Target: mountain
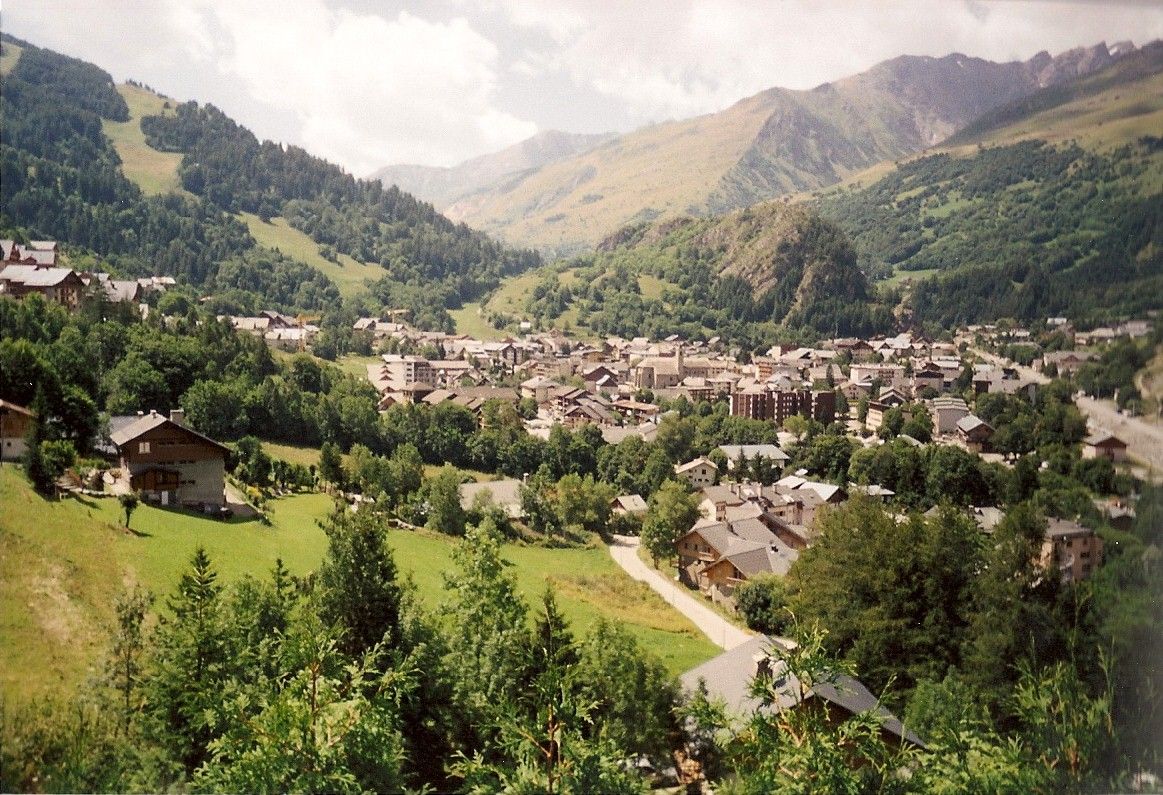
(777, 142)
(1048, 205)
(65, 179)
(445, 186)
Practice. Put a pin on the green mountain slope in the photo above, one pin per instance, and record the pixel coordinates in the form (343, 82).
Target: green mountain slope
(151, 189)
(1017, 226)
(748, 277)
(774, 143)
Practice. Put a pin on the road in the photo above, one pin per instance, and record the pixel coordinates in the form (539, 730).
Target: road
(721, 632)
(1144, 440)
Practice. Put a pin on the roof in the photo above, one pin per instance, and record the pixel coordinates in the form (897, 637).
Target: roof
(1064, 528)
(632, 503)
(729, 677)
(971, 422)
(1104, 437)
(749, 451)
(505, 493)
(4, 404)
(148, 422)
(35, 276)
(689, 465)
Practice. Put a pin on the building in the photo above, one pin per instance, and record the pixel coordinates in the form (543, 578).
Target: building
(974, 432)
(699, 473)
(1104, 445)
(760, 403)
(729, 678)
(505, 494)
(1075, 551)
(170, 463)
(15, 424)
(716, 556)
(947, 412)
(59, 285)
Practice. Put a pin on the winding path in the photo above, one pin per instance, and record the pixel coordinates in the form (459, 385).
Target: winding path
(719, 630)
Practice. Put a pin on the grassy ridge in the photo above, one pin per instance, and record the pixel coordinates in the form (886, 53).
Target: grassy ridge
(349, 275)
(63, 564)
(153, 171)
(8, 57)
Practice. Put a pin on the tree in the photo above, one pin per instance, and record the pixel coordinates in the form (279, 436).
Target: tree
(125, 664)
(671, 513)
(331, 464)
(442, 493)
(358, 588)
(762, 601)
(129, 503)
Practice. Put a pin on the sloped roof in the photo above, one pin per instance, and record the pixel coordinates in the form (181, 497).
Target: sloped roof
(729, 677)
(4, 404)
(35, 276)
(149, 422)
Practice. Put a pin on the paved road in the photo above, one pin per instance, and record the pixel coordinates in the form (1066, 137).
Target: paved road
(721, 632)
(1144, 440)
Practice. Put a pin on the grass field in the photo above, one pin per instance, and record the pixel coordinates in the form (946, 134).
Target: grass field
(153, 171)
(9, 57)
(64, 563)
(470, 319)
(355, 365)
(349, 275)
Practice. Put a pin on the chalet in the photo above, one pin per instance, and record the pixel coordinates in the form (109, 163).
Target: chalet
(15, 424)
(170, 463)
(59, 285)
(875, 416)
(928, 375)
(974, 432)
(947, 412)
(729, 677)
(1104, 445)
(1075, 551)
(716, 556)
(1064, 362)
(699, 473)
(628, 504)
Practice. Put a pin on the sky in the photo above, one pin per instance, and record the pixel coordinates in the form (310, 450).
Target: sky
(369, 83)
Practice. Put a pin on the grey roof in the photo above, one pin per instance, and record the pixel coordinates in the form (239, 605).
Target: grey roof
(763, 560)
(1099, 437)
(770, 451)
(1064, 528)
(127, 432)
(35, 276)
(505, 493)
(631, 502)
(729, 678)
(971, 422)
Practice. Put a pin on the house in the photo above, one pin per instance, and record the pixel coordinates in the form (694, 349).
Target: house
(15, 424)
(974, 432)
(628, 504)
(699, 473)
(729, 678)
(947, 412)
(1075, 551)
(716, 556)
(1104, 445)
(170, 463)
(59, 285)
(506, 494)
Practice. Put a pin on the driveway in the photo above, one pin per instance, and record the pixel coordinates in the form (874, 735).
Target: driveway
(721, 632)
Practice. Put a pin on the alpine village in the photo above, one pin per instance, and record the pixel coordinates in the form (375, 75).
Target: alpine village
(836, 471)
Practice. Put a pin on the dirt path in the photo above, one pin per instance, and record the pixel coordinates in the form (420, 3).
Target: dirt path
(721, 632)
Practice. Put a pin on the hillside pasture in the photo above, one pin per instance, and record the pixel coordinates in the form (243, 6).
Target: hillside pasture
(155, 172)
(349, 275)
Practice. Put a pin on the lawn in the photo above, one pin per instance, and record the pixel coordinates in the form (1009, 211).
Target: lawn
(153, 171)
(64, 563)
(349, 275)
(470, 319)
(588, 584)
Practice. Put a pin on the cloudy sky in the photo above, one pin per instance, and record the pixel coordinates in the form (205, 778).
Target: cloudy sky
(368, 83)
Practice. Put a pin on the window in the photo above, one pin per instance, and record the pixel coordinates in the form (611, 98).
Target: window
(143, 447)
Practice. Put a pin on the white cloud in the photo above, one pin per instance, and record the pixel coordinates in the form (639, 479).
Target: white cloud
(369, 90)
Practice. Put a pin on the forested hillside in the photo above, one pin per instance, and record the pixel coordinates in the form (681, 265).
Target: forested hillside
(1025, 230)
(746, 277)
(62, 181)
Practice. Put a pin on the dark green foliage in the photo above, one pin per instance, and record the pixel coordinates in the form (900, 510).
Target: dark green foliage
(1019, 231)
(358, 590)
(763, 603)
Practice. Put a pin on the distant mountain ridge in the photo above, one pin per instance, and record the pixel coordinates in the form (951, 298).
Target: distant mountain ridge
(776, 142)
(443, 186)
